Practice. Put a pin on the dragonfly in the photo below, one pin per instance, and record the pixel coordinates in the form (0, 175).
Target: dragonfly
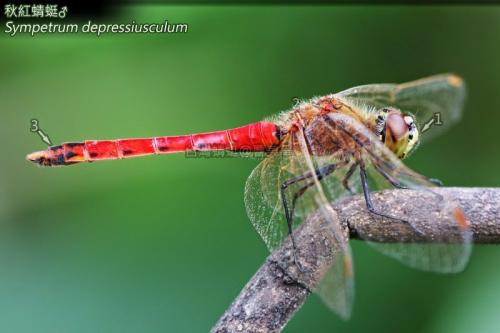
(321, 151)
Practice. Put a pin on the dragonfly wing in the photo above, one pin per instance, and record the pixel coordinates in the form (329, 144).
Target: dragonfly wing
(438, 97)
(265, 210)
(336, 289)
(451, 243)
(449, 250)
(262, 199)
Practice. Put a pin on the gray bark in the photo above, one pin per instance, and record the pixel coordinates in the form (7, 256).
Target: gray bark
(278, 289)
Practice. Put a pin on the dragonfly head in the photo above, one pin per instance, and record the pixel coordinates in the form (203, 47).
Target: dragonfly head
(397, 131)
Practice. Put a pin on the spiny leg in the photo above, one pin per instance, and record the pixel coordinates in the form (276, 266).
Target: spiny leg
(367, 195)
(397, 184)
(320, 173)
(394, 182)
(345, 181)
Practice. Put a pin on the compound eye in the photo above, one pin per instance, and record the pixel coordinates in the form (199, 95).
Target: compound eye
(396, 125)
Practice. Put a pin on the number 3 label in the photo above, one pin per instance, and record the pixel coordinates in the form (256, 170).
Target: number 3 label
(34, 125)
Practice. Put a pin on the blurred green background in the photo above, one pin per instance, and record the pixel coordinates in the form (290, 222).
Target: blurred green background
(163, 243)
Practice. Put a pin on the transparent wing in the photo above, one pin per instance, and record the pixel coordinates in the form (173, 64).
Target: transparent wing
(263, 200)
(451, 236)
(265, 210)
(438, 97)
(336, 289)
(262, 194)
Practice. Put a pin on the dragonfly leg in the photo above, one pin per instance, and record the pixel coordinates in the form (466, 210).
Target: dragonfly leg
(394, 182)
(320, 173)
(345, 181)
(369, 203)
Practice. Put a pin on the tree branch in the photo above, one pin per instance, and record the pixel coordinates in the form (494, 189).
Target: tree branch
(278, 289)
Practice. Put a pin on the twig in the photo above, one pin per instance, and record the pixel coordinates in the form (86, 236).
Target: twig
(278, 289)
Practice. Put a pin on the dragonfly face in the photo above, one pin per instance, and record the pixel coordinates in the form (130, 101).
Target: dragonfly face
(397, 131)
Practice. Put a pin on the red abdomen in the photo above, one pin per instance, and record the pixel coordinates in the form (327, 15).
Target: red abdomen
(260, 136)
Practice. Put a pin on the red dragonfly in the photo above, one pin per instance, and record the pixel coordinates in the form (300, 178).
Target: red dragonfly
(311, 155)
